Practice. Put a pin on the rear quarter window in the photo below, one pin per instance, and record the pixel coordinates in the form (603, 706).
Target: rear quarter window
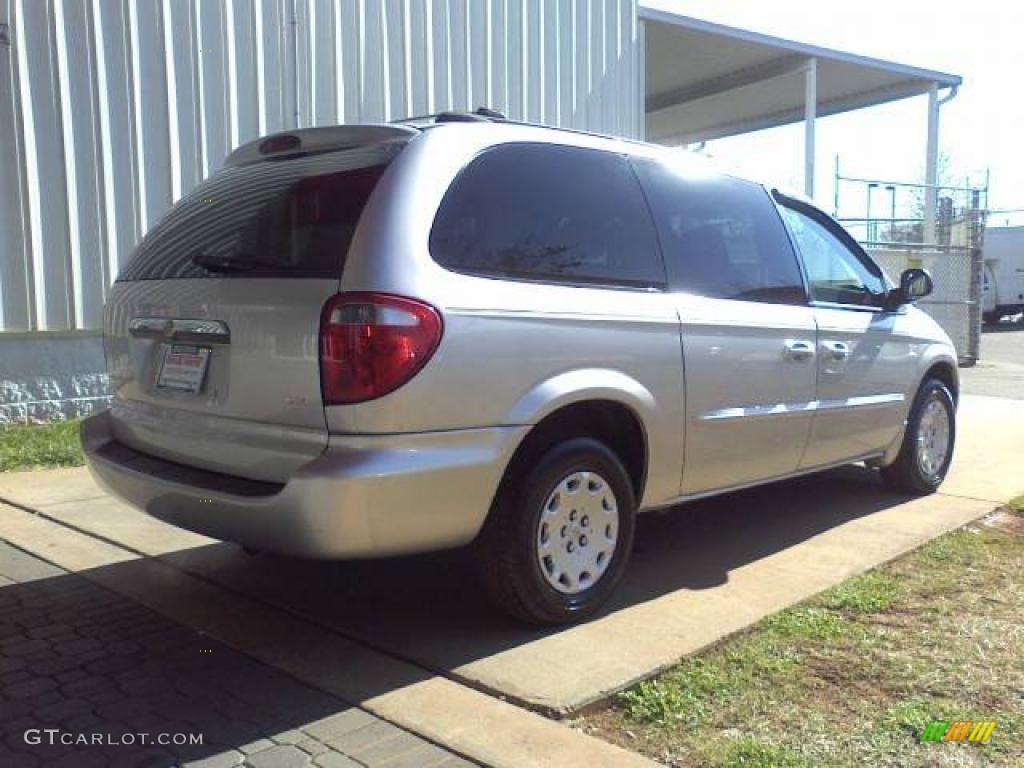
(277, 218)
(550, 213)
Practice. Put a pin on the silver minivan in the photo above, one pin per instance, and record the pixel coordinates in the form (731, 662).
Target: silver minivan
(374, 340)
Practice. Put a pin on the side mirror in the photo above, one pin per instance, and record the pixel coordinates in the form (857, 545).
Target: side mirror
(915, 283)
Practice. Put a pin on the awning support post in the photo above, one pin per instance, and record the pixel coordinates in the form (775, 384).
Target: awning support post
(931, 165)
(810, 115)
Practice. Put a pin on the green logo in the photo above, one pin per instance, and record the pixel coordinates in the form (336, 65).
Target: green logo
(958, 730)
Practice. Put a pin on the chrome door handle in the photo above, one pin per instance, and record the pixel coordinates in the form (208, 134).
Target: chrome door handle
(798, 350)
(837, 350)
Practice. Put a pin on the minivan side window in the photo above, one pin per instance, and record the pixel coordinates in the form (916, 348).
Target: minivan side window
(550, 213)
(835, 273)
(721, 236)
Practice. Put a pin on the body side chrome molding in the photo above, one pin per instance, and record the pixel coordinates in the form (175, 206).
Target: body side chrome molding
(786, 409)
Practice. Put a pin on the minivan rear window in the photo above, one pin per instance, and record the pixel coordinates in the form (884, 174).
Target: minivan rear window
(278, 218)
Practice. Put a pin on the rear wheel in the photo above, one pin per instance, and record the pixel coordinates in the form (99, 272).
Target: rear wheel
(560, 534)
(927, 447)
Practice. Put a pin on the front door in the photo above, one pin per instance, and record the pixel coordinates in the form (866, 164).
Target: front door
(748, 334)
(862, 358)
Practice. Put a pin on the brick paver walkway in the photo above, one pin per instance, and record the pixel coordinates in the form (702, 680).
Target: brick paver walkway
(97, 679)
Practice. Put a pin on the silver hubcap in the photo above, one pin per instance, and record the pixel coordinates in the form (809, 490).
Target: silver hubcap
(577, 532)
(933, 437)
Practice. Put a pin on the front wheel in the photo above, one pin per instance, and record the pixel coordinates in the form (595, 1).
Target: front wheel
(560, 534)
(927, 448)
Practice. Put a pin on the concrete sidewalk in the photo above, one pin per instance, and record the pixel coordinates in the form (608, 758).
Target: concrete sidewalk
(699, 572)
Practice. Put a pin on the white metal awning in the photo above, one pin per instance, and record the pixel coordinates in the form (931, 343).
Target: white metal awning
(705, 80)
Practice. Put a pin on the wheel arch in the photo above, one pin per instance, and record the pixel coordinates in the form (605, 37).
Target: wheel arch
(610, 421)
(945, 371)
(943, 367)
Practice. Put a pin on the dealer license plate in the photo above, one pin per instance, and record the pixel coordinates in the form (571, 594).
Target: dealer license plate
(183, 368)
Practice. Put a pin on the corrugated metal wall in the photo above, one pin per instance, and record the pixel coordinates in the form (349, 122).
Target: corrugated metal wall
(112, 109)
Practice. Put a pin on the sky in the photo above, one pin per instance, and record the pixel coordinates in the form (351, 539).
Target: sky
(982, 128)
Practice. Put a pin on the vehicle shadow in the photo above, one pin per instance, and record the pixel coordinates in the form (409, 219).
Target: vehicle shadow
(83, 658)
(431, 608)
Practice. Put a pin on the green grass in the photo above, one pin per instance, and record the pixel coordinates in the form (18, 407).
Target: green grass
(751, 753)
(46, 445)
(806, 622)
(870, 593)
(852, 676)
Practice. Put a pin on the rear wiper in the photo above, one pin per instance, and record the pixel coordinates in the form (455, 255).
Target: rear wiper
(223, 263)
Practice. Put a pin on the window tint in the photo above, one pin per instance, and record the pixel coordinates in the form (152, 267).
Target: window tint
(834, 272)
(282, 218)
(538, 211)
(721, 237)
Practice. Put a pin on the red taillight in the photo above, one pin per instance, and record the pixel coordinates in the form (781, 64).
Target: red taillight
(373, 343)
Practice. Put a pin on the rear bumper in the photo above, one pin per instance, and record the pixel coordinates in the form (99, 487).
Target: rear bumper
(365, 496)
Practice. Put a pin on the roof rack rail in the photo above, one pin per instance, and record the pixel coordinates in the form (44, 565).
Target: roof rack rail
(480, 114)
(486, 115)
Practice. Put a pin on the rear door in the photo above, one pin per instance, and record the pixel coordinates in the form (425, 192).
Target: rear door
(212, 329)
(862, 360)
(748, 333)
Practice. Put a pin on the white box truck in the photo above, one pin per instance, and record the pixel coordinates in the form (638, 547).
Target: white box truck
(1002, 287)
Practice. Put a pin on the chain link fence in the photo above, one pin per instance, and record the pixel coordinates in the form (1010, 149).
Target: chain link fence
(955, 303)
(888, 219)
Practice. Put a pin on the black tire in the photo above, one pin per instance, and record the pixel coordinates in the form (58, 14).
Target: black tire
(907, 474)
(508, 547)
(991, 318)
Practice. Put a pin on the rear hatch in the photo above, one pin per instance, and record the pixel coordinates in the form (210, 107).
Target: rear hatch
(212, 329)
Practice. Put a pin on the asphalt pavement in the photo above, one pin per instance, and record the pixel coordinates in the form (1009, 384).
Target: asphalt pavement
(1000, 370)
